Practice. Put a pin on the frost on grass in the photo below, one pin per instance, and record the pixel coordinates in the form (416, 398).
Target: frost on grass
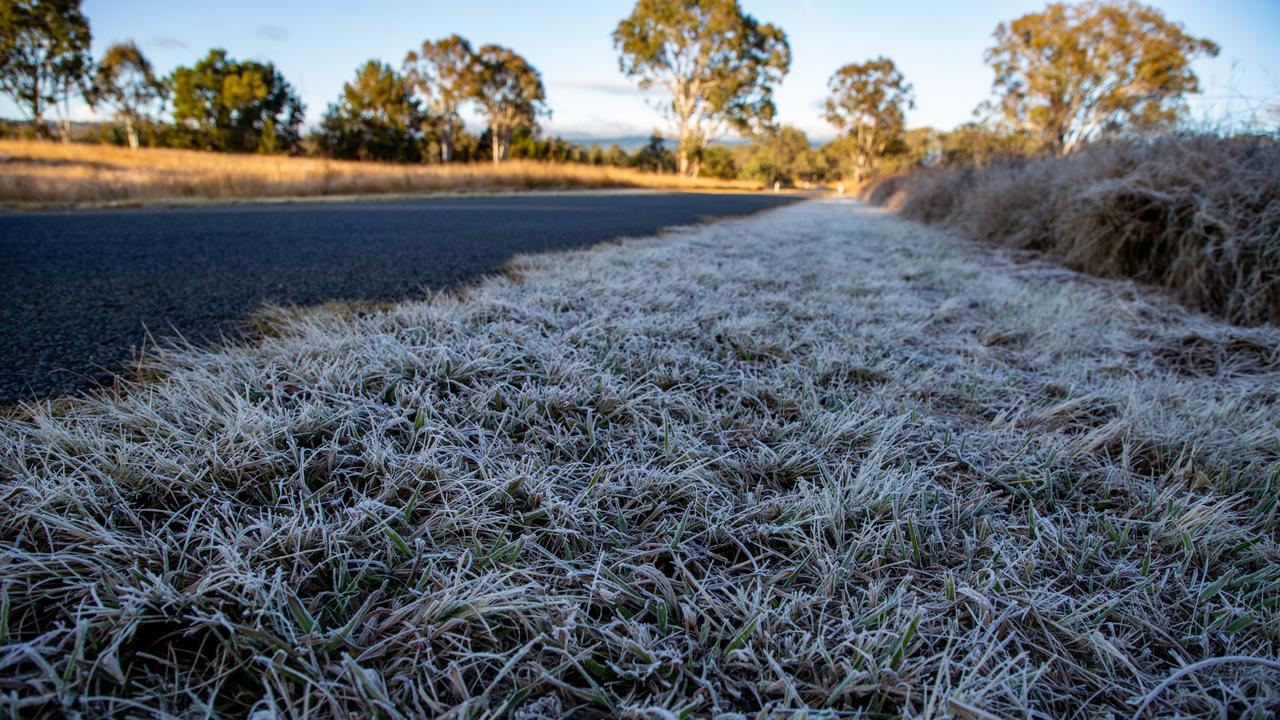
(819, 458)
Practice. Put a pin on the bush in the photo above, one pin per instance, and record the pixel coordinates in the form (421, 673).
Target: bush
(717, 162)
(1198, 214)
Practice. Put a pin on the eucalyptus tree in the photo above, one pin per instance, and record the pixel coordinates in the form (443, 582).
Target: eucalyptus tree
(44, 56)
(125, 81)
(1074, 71)
(444, 74)
(717, 64)
(510, 94)
(868, 103)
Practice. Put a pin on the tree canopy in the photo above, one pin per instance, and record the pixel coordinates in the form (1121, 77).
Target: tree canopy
(125, 81)
(1070, 72)
(717, 63)
(510, 94)
(444, 74)
(44, 53)
(869, 101)
(236, 105)
(376, 118)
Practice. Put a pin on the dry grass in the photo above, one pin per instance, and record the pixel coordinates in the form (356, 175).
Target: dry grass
(1197, 214)
(54, 173)
(822, 458)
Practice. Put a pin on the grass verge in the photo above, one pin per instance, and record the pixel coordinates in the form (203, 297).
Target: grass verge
(47, 173)
(1198, 214)
(818, 458)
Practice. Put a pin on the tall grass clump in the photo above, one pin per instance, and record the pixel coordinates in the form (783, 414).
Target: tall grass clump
(823, 462)
(36, 173)
(1198, 214)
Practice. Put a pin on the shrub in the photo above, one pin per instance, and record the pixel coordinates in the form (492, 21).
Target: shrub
(1198, 214)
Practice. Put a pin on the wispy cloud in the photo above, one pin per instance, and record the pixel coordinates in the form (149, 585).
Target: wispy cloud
(274, 33)
(604, 129)
(168, 42)
(621, 89)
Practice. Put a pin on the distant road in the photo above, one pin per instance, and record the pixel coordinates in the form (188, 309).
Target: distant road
(79, 290)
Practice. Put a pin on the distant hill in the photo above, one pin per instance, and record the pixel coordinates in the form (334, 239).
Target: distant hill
(631, 143)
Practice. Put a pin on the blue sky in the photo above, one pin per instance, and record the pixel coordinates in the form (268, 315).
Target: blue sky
(938, 46)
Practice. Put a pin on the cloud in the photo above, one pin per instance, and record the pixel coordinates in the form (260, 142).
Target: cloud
(614, 88)
(168, 42)
(603, 128)
(273, 32)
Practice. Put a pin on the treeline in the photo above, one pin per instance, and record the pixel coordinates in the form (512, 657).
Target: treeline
(409, 113)
(1063, 77)
(785, 155)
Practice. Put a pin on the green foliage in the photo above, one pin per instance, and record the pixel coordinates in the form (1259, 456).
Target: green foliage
(467, 147)
(718, 64)
(775, 156)
(869, 102)
(44, 55)
(718, 162)
(654, 157)
(234, 105)
(125, 82)
(970, 145)
(816, 165)
(528, 145)
(11, 130)
(510, 94)
(616, 156)
(444, 73)
(1072, 72)
(376, 118)
(980, 145)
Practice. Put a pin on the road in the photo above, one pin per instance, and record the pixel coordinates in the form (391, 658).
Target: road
(79, 291)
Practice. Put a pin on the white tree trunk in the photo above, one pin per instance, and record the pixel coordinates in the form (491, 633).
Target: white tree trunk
(684, 105)
(64, 122)
(37, 111)
(500, 146)
(687, 167)
(131, 132)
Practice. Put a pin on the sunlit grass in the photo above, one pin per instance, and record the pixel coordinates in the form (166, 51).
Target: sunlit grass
(1196, 213)
(48, 172)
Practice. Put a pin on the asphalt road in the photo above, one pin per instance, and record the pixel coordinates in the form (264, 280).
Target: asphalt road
(80, 290)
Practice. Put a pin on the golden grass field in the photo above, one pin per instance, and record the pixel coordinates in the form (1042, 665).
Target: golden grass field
(39, 173)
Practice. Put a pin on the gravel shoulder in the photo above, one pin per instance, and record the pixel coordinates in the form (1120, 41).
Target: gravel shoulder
(817, 458)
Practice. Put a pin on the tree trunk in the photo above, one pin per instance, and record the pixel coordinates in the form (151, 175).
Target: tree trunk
(37, 111)
(684, 103)
(131, 132)
(499, 147)
(64, 121)
(446, 142)
(687, 167)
